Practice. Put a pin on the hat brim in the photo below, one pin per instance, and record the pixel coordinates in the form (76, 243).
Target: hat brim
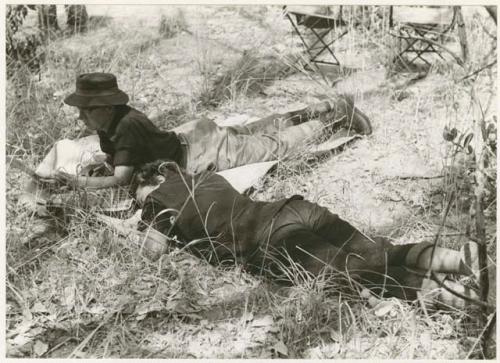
(119, 98)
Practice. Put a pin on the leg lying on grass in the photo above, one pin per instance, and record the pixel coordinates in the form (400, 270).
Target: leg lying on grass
(338, 112)
(318, 239)
(277, 136)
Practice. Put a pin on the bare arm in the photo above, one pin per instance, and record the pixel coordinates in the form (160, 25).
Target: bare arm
(121, 176)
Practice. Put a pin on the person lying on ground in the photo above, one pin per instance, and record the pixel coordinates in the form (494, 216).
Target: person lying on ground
(207, 216)
(132, 140)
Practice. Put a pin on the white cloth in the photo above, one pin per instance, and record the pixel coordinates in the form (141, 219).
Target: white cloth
(71, 156)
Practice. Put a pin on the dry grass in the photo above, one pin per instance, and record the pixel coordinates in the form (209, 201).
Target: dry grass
(172, 24)
(90, 294)
(247, 77)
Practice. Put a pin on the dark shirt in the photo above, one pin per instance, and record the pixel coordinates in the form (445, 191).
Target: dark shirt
(207, 205)
(133, 140)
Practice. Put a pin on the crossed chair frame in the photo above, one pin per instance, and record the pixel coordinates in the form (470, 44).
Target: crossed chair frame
(319, 45)
(415, 37)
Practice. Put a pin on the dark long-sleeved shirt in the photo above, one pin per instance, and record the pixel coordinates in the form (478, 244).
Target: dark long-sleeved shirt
(133, 140)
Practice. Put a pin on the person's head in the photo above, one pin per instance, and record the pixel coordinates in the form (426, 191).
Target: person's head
(150, 176)
(97, 117)
(96, 97)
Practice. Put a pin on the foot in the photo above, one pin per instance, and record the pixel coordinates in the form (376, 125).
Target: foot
(434, 294)
(344, 112)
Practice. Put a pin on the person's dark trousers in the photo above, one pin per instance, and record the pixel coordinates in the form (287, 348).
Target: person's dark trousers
(317, 239)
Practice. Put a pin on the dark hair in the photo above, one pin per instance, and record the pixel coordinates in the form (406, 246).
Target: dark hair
(148, 173)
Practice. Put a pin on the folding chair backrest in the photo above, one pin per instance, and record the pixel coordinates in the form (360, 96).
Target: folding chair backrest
(319, 29)
(315, 17)
(423, 15)
(420, 29)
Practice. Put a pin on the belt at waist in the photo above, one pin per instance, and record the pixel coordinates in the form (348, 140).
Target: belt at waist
(185, 150)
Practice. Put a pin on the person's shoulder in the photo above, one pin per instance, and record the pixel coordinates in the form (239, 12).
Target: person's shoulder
(134, 119)
(136, 114)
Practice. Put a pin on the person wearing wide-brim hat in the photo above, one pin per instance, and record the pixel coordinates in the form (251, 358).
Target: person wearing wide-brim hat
(132, 140)
(96, 89)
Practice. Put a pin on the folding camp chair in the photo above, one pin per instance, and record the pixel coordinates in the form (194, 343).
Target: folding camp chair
(318, 34)
(419, 29)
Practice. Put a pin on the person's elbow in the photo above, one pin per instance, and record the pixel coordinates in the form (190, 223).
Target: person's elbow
(123, 174)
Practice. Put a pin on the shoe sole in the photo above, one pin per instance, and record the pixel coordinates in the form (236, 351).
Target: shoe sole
(359, 121)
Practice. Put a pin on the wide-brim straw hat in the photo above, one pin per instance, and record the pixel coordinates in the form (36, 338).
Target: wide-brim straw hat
(96, 89)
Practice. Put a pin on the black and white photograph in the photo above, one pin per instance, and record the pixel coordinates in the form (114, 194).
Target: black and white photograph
(250, 181)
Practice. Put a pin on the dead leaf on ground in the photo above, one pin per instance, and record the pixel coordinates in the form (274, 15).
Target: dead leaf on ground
(148, 307)
(335, 336)
(38, 307)
(266, 320)
(95, 309)
(21, 328)
(20, 340)
(333, 349)
(280, 348)
(40, 348)
(384, 307)
(69, 297)
(35, 331)
(273, 329)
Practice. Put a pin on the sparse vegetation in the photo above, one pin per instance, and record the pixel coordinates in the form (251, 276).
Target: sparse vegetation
(171, 25)
(88, 293)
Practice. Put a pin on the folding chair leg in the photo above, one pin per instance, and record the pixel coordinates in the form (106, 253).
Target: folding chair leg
(409, 47)
(419, 56)
(298, 32)
(327, 46)
(430, 46)
(315, 48)
(311, 55)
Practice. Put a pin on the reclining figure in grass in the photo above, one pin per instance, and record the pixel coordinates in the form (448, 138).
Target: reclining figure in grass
(205, 215)
(132, 140)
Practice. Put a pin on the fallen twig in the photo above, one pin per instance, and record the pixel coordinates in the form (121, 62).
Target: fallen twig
(414, 177)
(480, 337)
(478, 71)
